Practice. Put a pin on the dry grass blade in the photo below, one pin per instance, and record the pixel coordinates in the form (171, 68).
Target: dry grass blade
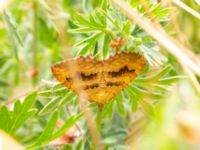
(22, 95)
(66, 49)
(186, 8)
(190, 74)
(139, 120)
(159, 34)
(192, 78)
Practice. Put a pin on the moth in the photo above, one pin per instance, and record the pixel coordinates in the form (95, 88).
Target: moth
(101, 80)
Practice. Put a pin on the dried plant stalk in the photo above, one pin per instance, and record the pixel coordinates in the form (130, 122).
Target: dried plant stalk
(66, 49)
(190, 74)
(186, 8)
(182, 54)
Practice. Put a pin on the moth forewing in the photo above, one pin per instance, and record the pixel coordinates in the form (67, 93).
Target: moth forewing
(100, 80)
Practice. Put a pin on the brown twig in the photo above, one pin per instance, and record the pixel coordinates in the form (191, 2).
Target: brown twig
(15, 98)
(66, 49)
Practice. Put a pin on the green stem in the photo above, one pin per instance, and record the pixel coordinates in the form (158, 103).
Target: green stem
(35, 44)
(99, 117)
(11, 30)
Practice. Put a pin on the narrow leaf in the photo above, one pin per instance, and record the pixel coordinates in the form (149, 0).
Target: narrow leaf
(23, 118)
(21, 109)
(45, 137)
(49, 106)
(5, 119)
(120, 106)
(106, 42)
(66, 99)
(67, 124)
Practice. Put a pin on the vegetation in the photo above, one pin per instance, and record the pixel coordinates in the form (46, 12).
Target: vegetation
(158, 110)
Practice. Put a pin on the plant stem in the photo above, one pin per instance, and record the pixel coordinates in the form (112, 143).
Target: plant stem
(66, 49)
(11, 29)
(187, 8)
(35, 43)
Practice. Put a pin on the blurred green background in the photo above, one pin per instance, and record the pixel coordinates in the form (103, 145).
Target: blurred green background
(159, 110)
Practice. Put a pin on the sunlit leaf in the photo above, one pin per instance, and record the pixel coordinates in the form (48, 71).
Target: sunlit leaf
(46, 135)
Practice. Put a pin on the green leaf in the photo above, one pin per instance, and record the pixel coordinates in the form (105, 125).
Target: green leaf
(159, 11)
(161, 87)
(46, 135)
(3, 83)
(86, 5)
(28, 102)
(5, 118)
(133, 99)
(98, 118)
(134, 3)
(91, 39)
(169, 80)
(126, 29)
(57, 92)
(104, 4)
(79, 145)
(148, 108)
(13, 26)
(15, 120)
(3, 97)
(106, 42)
(86, 29)
(163, 13)
(145, 93)
(93, 21)
(50, 105)
(17, 108)
(20, 110)
(96, 3)
(114, 22)
(155, 77)
(160, 74)
(120, 105)
(67, 147)
(23, 118)
(101, 18)
(66, 99)
(80, 20)
(6, 67)
(85, 50)
(108, 109)
(67, 124)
